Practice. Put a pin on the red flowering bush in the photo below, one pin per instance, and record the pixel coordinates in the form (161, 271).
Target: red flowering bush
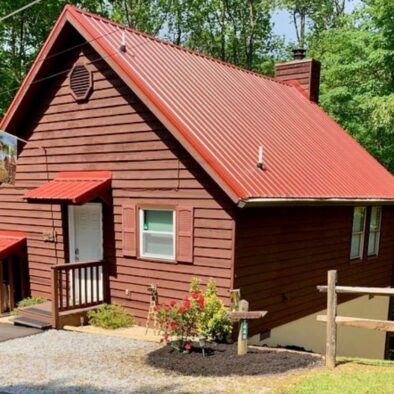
(179, 320)
(200, 314)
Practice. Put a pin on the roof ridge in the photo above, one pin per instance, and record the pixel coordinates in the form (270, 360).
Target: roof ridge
(179, 47)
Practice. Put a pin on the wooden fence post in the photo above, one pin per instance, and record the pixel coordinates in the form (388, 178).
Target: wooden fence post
(331, 328)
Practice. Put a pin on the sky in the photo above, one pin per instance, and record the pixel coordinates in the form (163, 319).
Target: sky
(283, 25)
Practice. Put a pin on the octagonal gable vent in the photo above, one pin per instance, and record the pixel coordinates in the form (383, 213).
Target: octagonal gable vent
(80, 82)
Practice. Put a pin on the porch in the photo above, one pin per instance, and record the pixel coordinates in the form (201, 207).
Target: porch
(81, 284)
(76, 289)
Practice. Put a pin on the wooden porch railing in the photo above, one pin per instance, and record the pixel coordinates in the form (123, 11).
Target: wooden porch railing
(77, 285)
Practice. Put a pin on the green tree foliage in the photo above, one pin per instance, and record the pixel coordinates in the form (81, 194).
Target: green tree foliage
(313, 16)
(145, 15)
(22, 35)
(357, 86)
(238, 31)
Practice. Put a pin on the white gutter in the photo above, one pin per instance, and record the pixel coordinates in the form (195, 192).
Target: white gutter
(259, 202)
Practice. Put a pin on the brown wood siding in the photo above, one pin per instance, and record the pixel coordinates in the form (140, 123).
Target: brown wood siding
(282, 254)
(114, 131)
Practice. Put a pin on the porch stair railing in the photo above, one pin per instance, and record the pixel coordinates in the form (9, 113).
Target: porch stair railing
(77, 286)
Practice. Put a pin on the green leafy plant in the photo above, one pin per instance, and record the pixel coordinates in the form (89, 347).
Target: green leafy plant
(30, 301)
(213, 322)
(110, 317)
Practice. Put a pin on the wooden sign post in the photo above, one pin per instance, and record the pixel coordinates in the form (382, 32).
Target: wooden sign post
(243, 315)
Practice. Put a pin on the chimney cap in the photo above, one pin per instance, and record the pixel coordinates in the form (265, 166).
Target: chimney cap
(299, 53)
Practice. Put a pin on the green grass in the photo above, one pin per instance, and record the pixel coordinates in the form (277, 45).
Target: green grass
(351, 376)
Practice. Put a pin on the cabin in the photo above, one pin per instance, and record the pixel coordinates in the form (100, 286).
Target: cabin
(142, 163)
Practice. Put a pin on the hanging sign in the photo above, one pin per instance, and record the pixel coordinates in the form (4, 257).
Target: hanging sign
(8, 155)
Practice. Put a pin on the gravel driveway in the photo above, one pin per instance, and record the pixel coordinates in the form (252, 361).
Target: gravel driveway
(69, 362)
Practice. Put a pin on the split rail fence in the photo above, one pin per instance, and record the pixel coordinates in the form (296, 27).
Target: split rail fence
(332, 320)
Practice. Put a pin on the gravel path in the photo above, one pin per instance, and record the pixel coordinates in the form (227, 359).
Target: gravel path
(69, 362)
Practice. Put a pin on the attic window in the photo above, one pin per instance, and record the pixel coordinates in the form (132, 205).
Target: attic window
(80, 82)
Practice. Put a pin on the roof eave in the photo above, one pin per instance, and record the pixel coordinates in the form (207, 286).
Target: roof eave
(271, 202)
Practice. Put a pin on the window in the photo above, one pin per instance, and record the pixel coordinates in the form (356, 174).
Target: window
(358, 233)
(374, 231)
(157, 233)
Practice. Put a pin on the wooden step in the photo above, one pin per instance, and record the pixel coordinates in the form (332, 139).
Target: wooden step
(34, 323)
(41, 312)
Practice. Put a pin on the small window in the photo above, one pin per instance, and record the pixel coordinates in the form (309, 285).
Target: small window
(374, 231)
(157, 233)
(358, 233)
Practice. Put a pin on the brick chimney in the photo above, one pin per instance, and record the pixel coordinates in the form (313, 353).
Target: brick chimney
(304, 71)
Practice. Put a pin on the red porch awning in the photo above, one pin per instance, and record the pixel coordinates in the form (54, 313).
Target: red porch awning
(72, 187)
(11, 242)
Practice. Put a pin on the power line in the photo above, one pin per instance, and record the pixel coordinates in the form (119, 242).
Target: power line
(60, 73)
(50, 76)
(19, 10)
(86, 42)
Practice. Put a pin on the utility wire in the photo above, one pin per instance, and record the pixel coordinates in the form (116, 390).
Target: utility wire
(50, 76)
(86, 42)
(19, 10)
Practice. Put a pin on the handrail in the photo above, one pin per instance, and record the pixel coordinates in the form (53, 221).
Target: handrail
(380, 291)
(76, 265)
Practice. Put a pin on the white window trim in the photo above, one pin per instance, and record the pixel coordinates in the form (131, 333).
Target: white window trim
(377, 232)
(142, 231)
(362, 240)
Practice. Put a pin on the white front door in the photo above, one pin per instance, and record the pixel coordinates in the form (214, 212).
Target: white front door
(86, 244)
(85, 232)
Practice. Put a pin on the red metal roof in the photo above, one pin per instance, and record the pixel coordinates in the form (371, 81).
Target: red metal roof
(11, 242)
(222, 114)
(72, 187)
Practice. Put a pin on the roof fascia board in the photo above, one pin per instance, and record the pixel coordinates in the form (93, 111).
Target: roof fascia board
(270, 202)
(155, 109)
(34, 70)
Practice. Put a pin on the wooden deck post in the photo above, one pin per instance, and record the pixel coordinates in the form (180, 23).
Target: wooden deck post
(11, 284)
(55, 296)
(331, 327)
(23, 272)
(1, 288)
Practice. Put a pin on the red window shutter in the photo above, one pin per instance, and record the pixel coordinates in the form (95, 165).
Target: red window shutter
(129, 233)
(185, 228)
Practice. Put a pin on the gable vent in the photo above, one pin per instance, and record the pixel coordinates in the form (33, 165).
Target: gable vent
(80, 82)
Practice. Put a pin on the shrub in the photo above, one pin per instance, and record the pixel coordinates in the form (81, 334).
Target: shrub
(200, 314)
(30, 301)
(179, 319)
(110, 317)
(213, 322)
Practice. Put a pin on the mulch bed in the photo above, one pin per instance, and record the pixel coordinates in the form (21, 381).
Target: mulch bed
(222, 360)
